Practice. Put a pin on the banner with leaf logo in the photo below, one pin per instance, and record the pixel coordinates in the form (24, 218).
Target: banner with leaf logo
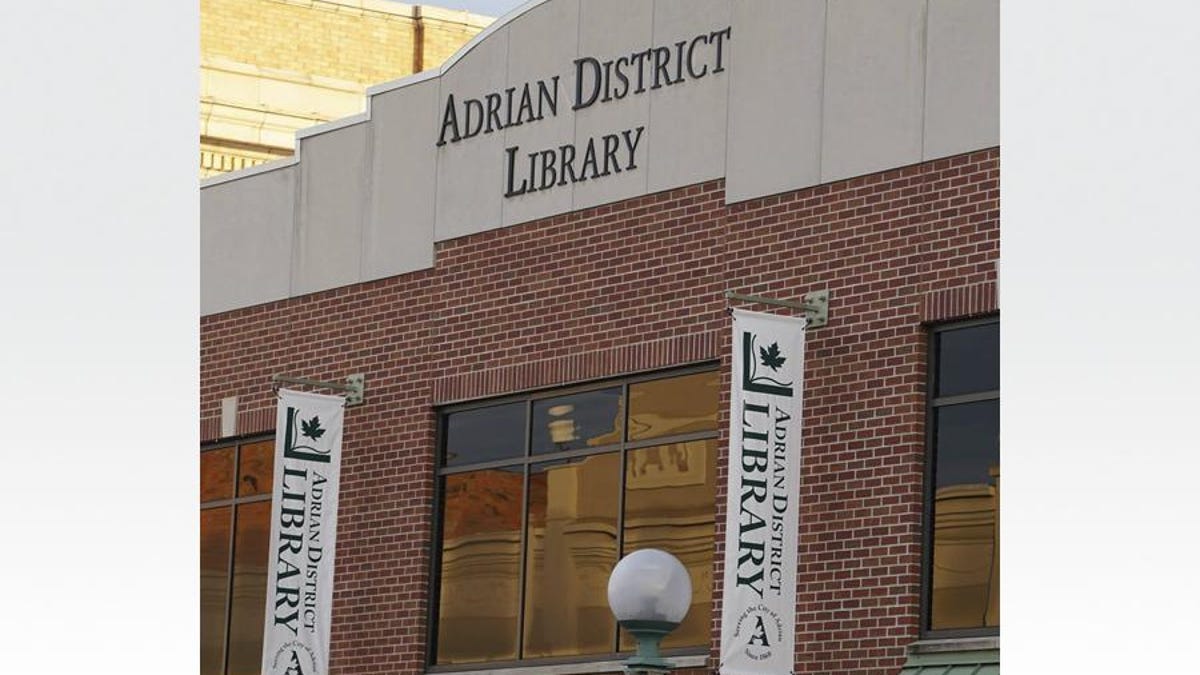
(758, 617)
(308, 452)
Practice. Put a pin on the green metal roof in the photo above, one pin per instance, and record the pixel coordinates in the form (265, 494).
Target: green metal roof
(978, 662)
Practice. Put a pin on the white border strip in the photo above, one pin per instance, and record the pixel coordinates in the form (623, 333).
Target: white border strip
(274, 164)
(407, 80)
(333, 125)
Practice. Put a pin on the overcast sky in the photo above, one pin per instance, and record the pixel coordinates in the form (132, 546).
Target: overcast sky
(495, 8)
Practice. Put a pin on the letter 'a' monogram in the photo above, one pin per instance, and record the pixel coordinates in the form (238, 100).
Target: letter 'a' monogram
(760, 633)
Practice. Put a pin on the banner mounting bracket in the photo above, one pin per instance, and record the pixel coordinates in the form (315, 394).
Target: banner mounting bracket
(353, 386)
(815, 305)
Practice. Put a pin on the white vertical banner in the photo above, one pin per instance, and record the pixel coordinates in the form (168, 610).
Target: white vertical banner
(758, 617)
(308, 454)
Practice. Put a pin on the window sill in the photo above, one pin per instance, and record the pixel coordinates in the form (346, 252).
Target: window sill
(579, 668)
(963, 644)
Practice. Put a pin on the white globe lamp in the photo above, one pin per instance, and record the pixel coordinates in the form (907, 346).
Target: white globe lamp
(649, 592)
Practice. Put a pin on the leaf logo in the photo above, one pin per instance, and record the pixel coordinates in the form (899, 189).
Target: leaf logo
(312, 428)
(772, 357)
(757, 379)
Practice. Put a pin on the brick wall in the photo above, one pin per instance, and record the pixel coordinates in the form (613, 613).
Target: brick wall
(631, 286)
(442, 38)
(358, 42)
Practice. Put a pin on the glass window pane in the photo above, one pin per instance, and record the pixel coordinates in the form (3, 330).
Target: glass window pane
(966, 520)
(256, 463)
(480, 566)
(968, 442)
(216, 474)
(670, 499)
(214, 586)
(968, 360)
(248, 608)
(485, 434)
(588, 420)
(572, 548)
(675, 405)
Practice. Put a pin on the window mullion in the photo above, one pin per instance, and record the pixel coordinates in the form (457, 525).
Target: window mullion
(623, 451)
(266, 497)
(483, 466)
(670, 440)
(524, 562)
(973, 397)
(522, 581)
(237, 450)
(925, 605)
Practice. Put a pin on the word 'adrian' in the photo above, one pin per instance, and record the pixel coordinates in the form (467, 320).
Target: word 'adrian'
(596, 81)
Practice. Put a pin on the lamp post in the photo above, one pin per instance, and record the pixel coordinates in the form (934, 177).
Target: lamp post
(649, 591)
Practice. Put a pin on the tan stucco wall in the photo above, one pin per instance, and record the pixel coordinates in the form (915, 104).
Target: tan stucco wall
(271, 67)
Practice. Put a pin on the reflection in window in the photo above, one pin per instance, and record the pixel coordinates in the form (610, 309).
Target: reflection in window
(249, 597)
(216, 474)
(964, 574)
(480, 565)
(670, 494)
(677, 405)
(586, 420)
(968, 360)
(571, 549)
(575, 463)
(256, 463)
(485, 434)
(214, 587)
(234, 535)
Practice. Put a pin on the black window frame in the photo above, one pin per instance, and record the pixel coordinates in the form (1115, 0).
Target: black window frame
(526, 460)
(233, 502)
(932, 403)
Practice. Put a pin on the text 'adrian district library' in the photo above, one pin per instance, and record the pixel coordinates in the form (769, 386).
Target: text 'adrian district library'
(596, 81)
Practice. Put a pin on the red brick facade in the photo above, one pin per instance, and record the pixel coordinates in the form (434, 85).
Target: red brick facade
(631, 287)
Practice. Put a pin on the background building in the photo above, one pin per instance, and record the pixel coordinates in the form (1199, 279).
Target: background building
(269, 68)
(547, 350)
